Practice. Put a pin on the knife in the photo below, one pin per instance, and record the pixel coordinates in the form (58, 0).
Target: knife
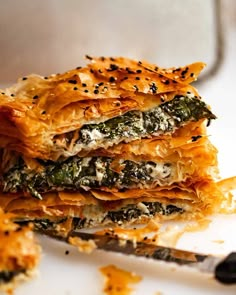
(224, 270)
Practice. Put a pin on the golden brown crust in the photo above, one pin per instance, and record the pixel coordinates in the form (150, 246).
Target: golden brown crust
(36, 109)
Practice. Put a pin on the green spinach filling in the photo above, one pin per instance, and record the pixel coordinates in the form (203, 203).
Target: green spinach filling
(125, 214)
(135, 124)
(86, 173)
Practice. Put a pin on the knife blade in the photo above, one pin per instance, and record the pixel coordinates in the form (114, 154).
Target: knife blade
(224, 270)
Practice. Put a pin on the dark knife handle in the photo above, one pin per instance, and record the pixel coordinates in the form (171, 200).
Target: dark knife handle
(225, 271)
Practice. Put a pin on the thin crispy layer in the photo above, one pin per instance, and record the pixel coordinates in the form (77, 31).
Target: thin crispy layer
(200, 198)
(36, 109)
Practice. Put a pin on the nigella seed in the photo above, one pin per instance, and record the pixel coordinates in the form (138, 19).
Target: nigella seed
(153, 88)
(113, 67)
(195, 138)
(88, 57)
(72, 81)
(112, 79)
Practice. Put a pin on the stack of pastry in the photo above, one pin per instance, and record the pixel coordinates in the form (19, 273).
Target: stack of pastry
(115, 142)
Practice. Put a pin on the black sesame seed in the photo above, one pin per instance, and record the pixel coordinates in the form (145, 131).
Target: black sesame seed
(35, 97)
(43, 112)
(96, 91)
(91, 71)
(125, 78)
(75, 88)
(12, 95)
(24, 78)
(192, 74)
(139, 71)
(67, 252)
(156, 68)
(113, 67)
(129, 71)
(167, 82)
(153, 88)
(3, 93)
(100, 84)
(45, 78)
(84, 85)
(195, 138)
(78, 68)
(112, 59)
(139, 62)
(136, 87)
(88, 57)
(112, 79)
(86, 91)
(72, 81)
(174, 81)
(100, 71)
(102, 58)
(137, 78)
(6, 233)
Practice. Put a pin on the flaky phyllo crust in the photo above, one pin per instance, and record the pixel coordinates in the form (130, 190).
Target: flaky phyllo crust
(117, 141)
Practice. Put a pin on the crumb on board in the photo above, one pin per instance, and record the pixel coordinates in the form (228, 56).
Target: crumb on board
(117, 280)
(82, 245)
